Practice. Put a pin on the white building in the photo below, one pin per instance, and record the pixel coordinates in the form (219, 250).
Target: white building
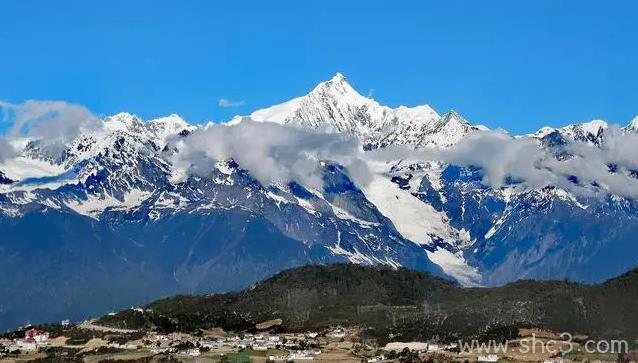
(337, 333)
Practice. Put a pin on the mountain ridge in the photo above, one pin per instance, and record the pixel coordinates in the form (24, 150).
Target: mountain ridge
(335, 106)
(116, 182)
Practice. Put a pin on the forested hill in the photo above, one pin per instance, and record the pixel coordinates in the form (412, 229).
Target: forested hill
(414, 305)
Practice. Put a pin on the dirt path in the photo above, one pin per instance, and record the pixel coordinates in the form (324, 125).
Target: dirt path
(89, 325)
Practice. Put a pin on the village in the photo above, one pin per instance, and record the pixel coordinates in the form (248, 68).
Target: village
(215, 346)
(92, 343)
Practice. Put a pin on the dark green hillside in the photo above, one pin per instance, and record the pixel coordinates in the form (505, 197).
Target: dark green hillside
(305, 297)
(415, 305)
(607, 310)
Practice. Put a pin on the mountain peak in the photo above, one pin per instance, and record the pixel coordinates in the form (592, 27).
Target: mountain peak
(337, 86)
(336, 90)
(542, 132)
(172, 120)
(633, 124)
(122, 117)
(422, 115)
(335, 105)
(163, 127)
(338, 77)
(594, 125)
(123, 121)
(453, 117)
(588, 130)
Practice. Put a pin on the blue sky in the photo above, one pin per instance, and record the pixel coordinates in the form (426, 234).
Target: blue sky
(512, 64)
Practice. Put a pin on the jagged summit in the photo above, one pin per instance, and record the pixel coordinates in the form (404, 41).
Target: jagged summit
(588, 132)
(123, 121)
(159, 127)
(451, 119)
(334, 105)
(593, 127)
(338, 85)
(633, 124)
(162, 128)
(338, 77)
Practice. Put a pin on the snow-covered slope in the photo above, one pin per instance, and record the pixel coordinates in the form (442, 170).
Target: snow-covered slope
(422, 224)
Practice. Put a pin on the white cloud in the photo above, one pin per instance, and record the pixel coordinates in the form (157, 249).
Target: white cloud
(275, 153)
(270, 152)
(224, 102)
(6, 150)
(504, 158)
(51, 123)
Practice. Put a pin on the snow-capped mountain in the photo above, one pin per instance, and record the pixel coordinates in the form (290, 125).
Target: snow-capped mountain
(589, 132)
(104, 211)
(335, 106)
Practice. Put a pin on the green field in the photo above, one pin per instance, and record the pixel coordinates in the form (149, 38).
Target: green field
(244, 355)
(239, 357)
